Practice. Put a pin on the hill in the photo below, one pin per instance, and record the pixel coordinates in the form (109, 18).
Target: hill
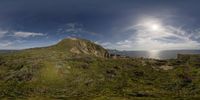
(78, 69)
(81, 46)
(72, 47)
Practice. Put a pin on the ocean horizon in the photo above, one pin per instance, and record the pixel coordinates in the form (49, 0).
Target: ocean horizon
(155, 54)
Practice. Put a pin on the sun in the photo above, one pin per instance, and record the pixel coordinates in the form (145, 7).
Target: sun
(154, 27)
(151, 24)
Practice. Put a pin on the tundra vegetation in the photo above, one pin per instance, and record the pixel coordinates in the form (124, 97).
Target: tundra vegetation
(77, 69)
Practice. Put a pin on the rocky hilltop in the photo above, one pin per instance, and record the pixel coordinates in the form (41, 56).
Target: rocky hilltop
(81, 46)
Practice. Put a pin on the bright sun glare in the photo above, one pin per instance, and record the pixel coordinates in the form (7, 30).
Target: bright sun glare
(154, 27)
(151, 24)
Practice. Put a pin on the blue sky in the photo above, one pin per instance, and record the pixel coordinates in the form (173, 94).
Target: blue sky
(114, 24)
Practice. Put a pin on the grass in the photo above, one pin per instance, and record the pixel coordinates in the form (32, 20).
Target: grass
(46, 73)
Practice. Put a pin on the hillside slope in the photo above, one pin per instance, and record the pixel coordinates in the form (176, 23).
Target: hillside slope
(81, 46)
(74, 46)
(76, 69)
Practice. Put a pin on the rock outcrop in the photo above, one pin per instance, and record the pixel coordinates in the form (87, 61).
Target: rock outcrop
(81, 46)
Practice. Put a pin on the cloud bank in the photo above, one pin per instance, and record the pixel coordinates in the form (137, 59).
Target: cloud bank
(152, 34)
(27, 34)
(13, 40)
(3, 33)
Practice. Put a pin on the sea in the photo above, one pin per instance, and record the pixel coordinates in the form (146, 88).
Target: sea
(155, 54)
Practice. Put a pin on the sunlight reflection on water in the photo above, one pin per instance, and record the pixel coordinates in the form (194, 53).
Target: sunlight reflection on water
(158, 54)
(154, 54)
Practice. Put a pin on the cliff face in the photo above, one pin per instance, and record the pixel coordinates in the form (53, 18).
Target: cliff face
(81, 46)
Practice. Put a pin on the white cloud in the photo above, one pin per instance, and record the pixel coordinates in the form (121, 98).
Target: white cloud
(2, 33)
(196, 34)
(104, 43)
(70, 28)
(74, 28)
(152, 34)
(5, 44)
(27, 34)
(17, 41)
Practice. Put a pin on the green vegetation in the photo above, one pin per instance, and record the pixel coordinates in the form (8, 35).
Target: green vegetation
(56, 72)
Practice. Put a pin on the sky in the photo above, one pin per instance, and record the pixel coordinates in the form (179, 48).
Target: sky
(114, 24)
